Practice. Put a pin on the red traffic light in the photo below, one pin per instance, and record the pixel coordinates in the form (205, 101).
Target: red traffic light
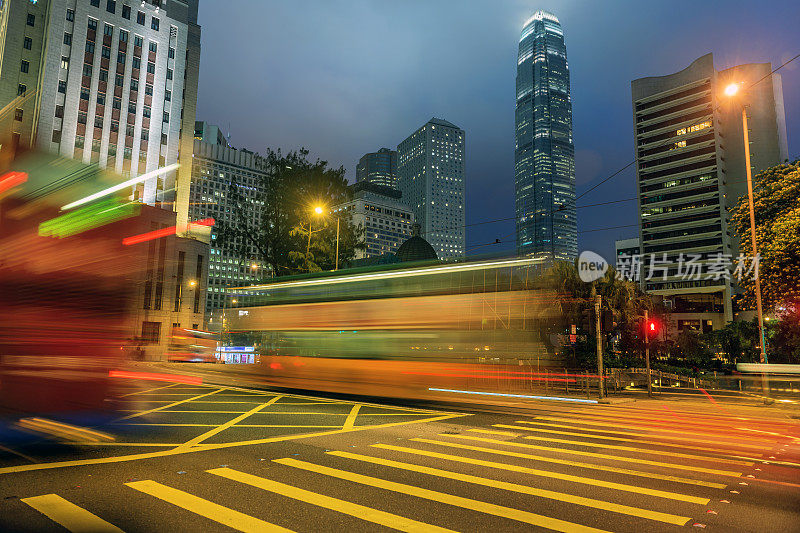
(651, 328)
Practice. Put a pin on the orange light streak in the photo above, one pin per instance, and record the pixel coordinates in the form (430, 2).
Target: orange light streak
(175, 378)
(12, 179)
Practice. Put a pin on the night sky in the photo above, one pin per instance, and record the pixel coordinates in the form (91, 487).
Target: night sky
(346, 78)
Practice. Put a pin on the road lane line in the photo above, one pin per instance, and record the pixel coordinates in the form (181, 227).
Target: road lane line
(206, 447)
(599, 455)
(626, 448)
(574, 463)
(522, 489)
(634, 434)
(208, 509)
(69, 515)
(441, 497)
(351, 418)
(554, 475)
(222, 427)
(173, 404)
(369, 514)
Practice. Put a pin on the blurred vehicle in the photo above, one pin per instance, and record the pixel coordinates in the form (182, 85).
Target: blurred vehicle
(402, 330)
(192, 346)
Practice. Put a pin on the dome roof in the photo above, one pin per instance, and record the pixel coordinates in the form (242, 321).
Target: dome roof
(416, 248)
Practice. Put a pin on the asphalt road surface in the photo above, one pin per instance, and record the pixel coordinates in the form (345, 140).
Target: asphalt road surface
(215, 458)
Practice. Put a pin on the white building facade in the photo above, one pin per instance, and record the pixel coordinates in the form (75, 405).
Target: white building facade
(430, 170)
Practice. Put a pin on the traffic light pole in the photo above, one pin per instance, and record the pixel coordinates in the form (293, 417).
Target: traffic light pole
(597, 306)
(647, 354)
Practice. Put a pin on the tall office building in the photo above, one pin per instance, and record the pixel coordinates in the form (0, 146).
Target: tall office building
(544, 156)
(691, 172)
(227, 185)
(430, 169)
(110, 82)
(378, 167)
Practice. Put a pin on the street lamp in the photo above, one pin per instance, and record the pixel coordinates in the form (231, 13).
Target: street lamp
(731, 91)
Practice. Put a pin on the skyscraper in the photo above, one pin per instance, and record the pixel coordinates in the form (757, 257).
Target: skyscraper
(690, 172)
(111, 82)
(544, 157)
(378, 167)
(430, 170)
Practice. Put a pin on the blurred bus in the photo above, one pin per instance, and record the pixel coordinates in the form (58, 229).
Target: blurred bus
(192, 346)
(402, 329)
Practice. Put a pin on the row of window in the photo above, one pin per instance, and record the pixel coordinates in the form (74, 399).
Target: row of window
(111, 7)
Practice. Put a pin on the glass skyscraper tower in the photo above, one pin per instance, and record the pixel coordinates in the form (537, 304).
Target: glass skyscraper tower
(544, 156)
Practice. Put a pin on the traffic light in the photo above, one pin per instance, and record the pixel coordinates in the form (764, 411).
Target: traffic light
(652, 328)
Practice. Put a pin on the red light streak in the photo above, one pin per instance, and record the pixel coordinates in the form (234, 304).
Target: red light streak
(475, 376)
(12, 179)
(155, 377)
(165, 232)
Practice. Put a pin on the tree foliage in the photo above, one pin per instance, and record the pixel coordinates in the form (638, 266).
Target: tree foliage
(293, 187)
(776, 202)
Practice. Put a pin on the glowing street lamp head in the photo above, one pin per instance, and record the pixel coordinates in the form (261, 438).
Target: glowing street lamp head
(318, 210)
(732, 89)
(234, 301)
(192, 283)
(254, 266)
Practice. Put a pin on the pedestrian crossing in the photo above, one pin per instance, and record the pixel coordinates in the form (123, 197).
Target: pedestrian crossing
(558, 473)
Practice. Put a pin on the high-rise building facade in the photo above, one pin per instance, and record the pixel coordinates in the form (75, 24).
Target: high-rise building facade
(228, 186)
(430, 169)
(544, 156)
(110, 82)
(378, 167)
(691, 172)
(378, 210)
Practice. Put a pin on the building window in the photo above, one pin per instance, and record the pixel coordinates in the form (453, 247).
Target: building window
(151, 332)
(126, 154)
(131, 107)
(105, 52)
(148, 89)
(153, 46)
(31, 19)
(119, 80)
(126, 12)
(62, 86)
(140, 18)
(108, 29)
(81, 117)
(89, 47)
(92, 24)
(95, 3)
(129, 130)
(84, 93)
(111, 6)
(169, 73)
(151, 67)
(171, 53)
(98, 122)
(137, 63)
(123, 36)
(56, 136)
(116, 103)
(68, 39)
(18, 114)
(134, 85)
(137, 41)
(70, 15)
(24, 66)
(64, 62)
(87, 69)
(115, 127)
(95, 145)
(22, 89)
(167, 96)
(145, 135)
(153, 23)
(121, 57)
(79, 139)
(103, 74)
(27, 43)
(166, 116)
(146, 111)
(59, 111)
(101, 99)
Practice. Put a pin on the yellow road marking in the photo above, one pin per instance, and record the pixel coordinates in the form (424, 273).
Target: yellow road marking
(149, 390)
(219, 429)
(351, 418)
(237, 425)
(554, 475)
(69, 515)
(441, 497)
(656, 429)
(522, 489)
(203, 507)
(628, 448)
(321, 413)
(205, 447)
(634, 434)
(574, 463)
(369, 514)
(599, 455)
(495, 432)
(169, 405)
(134, 444)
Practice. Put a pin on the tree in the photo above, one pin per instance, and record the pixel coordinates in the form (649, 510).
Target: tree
(777, 217)
(293, 187)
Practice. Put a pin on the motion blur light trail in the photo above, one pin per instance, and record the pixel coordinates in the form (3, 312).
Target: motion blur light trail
(165, 232)
(12, 179)
(120, 186)
(528, 396)
(89, 217)
(147, 376)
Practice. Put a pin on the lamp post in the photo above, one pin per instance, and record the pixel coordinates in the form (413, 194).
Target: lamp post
(318, 210)
(731, 91)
